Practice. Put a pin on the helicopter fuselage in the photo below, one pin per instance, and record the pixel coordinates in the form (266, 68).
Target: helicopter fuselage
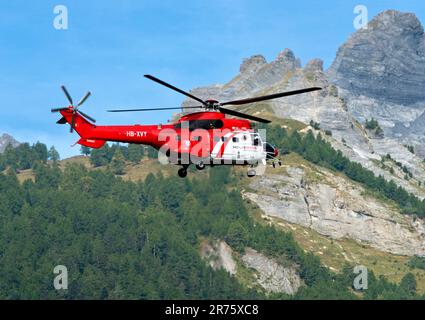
(201, 138)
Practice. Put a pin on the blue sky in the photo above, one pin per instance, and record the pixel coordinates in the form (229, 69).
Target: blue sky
(109, 45)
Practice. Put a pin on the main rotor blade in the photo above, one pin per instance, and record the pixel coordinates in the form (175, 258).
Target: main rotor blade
(269, 97)
(68, 96)
(58, 109)
(174, 88)
(154, 109)
(83, 99)
(242, 115)
(87, 116)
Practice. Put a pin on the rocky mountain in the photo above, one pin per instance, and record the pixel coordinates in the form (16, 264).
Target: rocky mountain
(378, 73)
(5, 140)
(386, 61)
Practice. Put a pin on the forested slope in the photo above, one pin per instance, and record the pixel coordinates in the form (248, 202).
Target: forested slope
(122, 239)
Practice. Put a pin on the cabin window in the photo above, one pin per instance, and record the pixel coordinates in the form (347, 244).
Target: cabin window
(201, 124)
(234, 139)
(224, 139)
(196, 138)
(216, 139)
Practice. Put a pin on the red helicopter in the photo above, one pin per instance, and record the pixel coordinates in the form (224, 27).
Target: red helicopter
(200, 138)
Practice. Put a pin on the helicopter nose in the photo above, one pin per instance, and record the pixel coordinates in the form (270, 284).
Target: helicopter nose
(271, 150)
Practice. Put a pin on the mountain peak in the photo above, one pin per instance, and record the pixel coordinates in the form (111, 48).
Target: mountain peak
(287, 57)
(386, 61)
(286, 54)
(253, 63)
(5, 140)
(396, 21)
(314, 65)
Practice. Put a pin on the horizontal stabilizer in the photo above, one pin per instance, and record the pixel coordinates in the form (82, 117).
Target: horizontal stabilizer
(61, 121)
(91, 143)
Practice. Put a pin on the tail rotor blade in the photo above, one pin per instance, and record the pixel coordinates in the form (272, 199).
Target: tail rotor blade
(83, 99)
(72, 123)
(58, 109)
(87, 116)
(68, 96)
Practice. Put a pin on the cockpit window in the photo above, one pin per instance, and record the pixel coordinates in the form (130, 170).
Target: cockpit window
(256, 140)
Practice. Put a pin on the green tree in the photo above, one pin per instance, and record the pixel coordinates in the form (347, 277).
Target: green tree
(86, 151)
(41, 152)
(237, 236)
(100, 157)
(408, 284)
(152, 153)
(53, 154)
(118, 163)
(135, 153)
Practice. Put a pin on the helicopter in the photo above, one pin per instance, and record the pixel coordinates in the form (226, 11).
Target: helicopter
(202, 138)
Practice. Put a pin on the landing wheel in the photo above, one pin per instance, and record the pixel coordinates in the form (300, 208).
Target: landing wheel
(200, 166)
(251, 173)
(182, 173)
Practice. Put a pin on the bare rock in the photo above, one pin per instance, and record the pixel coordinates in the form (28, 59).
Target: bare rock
(338, 208)
(219, 255)
(272, 276)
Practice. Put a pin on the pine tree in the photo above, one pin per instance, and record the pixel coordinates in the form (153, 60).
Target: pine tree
(135, 153)
(85, 150)
(53, 154)
(408, 284)
(118, 163)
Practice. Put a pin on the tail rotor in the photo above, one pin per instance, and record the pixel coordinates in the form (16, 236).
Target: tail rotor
(74, 109)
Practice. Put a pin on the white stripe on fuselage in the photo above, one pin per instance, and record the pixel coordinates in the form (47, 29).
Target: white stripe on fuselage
(219, 144)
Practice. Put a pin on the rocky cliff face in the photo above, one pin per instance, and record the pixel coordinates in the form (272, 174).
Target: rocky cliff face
(386, 61)
(5, 140)
(338, 208)
(380, 73)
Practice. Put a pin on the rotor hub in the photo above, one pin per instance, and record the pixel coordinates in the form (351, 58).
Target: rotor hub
(211, 104)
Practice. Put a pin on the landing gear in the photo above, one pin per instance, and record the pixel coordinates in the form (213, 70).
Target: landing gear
(182, 173)
(275, 162)
(251, 173)
(200, 166)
